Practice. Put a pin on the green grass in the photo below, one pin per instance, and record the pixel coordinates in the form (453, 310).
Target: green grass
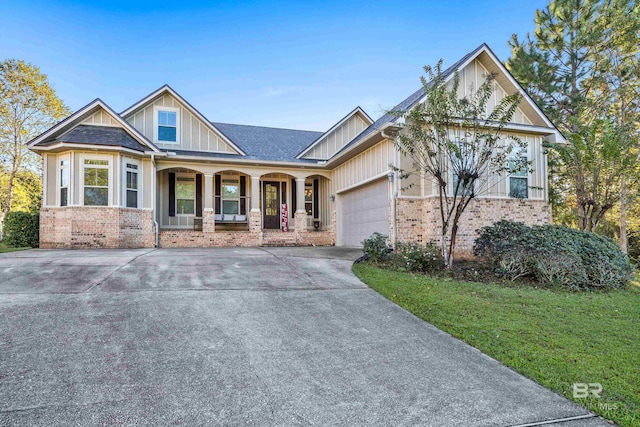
(555, 337)
(4, 248)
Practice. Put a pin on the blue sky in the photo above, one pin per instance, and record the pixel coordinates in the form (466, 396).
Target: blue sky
(300, 65)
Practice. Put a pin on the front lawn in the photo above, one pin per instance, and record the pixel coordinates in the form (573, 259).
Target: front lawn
(4, 248)
(556, 338)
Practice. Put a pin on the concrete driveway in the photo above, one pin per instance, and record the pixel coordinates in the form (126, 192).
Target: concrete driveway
(235, 336)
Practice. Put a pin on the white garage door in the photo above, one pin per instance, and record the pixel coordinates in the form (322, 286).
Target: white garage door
(364, 211)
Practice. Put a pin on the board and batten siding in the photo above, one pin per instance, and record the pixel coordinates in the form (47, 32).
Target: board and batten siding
(194, 134)
(366, 166)
(338, 138)
(101, 118)
(471, 78)
(493, 185)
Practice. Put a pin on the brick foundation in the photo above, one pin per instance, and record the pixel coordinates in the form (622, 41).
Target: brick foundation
(96, 227)
(418, 220)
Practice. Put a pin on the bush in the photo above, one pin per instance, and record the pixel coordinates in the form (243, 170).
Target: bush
(21, 229)
(554, 255)
(376, 248)
(417, 258)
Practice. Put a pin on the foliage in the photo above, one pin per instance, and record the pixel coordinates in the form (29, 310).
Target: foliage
(376, 248)
(459, 142)
(581, 66)
(416, 258)
(28, 106)
(21, 229)
(554, 255)
(27, 191)
(554, 337)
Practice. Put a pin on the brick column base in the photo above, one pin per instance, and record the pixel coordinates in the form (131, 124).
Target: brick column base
(208, 221)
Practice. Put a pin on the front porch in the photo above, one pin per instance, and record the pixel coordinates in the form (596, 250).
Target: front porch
(240, 208)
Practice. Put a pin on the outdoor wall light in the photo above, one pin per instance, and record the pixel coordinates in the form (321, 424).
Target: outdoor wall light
(390, 175)
(332, 197)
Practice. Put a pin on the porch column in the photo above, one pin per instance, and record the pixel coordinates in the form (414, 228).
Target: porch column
(255, 217)
(300, 222)
(208, 215)
(300, 195)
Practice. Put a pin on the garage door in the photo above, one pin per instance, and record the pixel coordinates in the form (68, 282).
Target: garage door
(364, 211)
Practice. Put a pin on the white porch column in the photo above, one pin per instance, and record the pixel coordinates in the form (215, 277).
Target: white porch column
(208, 214)
(208, 191)
(300, 195)
(255, 194)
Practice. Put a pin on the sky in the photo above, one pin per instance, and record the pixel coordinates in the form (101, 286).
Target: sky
(299, 65)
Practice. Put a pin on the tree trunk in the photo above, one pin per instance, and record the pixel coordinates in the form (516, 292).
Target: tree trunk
(7, 205)
(623, 215)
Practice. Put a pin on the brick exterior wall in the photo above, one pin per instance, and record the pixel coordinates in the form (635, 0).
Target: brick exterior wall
(418, 220)
(300, 236)
(96, 227)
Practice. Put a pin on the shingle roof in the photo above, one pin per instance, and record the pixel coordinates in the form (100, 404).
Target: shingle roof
(97, 135)
(409, 102)
(265, 143)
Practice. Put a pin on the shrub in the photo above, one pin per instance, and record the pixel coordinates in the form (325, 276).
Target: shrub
(376, 248)
(554, 255)
(417, 258)
(21, 229)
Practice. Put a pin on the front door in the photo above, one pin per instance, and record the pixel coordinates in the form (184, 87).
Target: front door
(271, 203)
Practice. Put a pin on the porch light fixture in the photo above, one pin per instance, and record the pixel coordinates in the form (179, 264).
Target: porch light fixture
(332, 197)
(390, 176)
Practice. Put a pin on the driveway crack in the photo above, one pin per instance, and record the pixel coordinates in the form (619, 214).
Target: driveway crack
(118, 269)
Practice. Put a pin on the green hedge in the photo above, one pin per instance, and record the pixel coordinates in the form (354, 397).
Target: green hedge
(554, 255)
(21, 229)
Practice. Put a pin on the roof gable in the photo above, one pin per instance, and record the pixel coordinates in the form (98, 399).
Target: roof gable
(108, 118)
(504, 79)
(199, 133)
(339, 135)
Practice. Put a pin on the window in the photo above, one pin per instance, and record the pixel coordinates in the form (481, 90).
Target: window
(185, 195)
(96, 182)
(518, 178)
(166, 125)
(230, 196)
(64, 182)
(308, 198)
(132, 185)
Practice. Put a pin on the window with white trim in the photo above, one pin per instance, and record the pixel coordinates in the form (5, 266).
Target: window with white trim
(166, 125)
(131, 182)
(96, 182)
(230, 196)
(64, 182)
(185, 195)
(518, 178)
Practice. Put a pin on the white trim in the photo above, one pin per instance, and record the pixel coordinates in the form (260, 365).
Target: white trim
(59, 168)
(336, 126)
(88, 147)
(187, 106)
(140, 173)
(364, 182)
(109, 167)
(156, 110)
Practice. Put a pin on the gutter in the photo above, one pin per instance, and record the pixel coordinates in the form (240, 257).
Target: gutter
(153, 200)
(393, 181)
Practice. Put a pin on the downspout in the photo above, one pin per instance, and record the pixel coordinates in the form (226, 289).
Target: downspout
(393, 180)
(153, 199)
